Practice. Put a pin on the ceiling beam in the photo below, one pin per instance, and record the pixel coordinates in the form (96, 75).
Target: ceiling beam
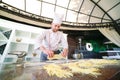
(117, 28)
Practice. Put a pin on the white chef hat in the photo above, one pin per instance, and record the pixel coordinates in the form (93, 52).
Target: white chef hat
(58, 18)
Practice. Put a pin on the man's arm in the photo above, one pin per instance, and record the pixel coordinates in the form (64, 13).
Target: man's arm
(64, 45)
(50, 53)
(64, 53)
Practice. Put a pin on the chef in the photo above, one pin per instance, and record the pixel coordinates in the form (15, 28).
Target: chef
(48, 42)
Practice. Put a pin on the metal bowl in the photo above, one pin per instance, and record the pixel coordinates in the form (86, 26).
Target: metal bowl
(20, 54)
(77, 56)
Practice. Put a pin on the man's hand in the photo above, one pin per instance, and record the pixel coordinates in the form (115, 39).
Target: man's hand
(64, 53)
(50, 53)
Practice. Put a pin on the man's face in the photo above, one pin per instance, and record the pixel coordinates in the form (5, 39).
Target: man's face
(55, 27)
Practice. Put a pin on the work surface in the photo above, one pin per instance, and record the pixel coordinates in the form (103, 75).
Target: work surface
(84, 69)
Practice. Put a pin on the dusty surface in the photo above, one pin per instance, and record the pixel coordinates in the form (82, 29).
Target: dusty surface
(35, 71)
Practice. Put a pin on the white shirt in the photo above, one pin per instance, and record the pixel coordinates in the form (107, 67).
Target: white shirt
(52, 40)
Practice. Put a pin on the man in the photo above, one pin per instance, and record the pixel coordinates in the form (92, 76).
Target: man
(52, 39)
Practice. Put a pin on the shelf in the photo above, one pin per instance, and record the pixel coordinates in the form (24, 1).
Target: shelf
(19, 43)
(10, 59)
(34, 35)
(21, 40)
(14, 37)
(22, 34)
(24, 37)
(18, 47)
